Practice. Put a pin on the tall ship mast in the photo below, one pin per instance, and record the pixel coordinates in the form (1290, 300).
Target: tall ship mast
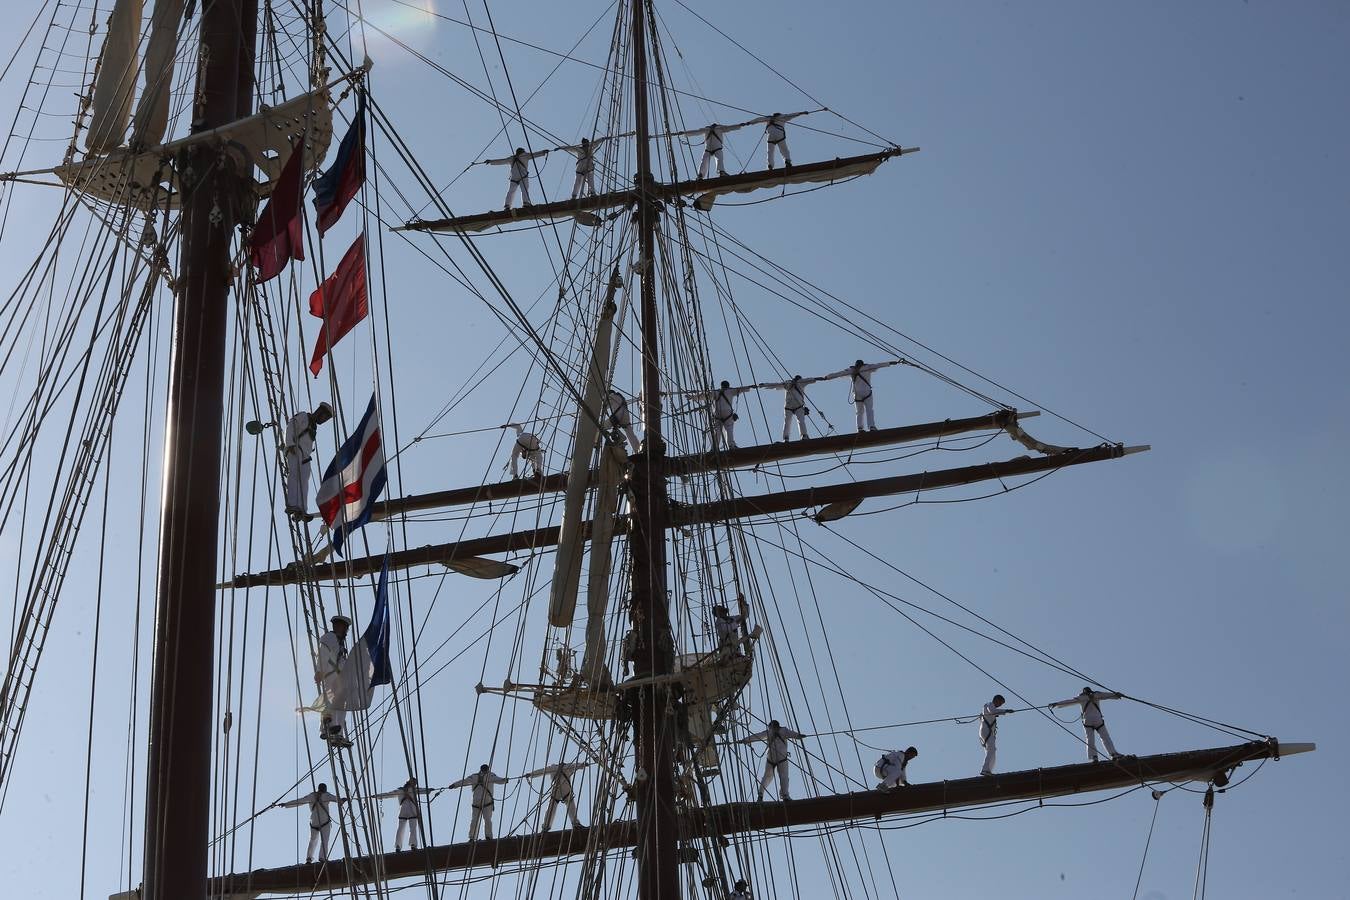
(646, 594)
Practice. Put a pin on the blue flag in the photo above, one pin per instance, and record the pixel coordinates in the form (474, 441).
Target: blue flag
(354, 479)
(376, 637)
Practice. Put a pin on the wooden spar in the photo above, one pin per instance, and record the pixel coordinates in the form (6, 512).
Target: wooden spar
(214, 185)
(825, 171)
(697, 514)
(735, 818)
(694, 463)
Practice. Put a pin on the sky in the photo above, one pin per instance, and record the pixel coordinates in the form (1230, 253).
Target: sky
(1131, 214)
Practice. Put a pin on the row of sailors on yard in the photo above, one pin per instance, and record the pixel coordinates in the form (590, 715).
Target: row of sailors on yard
(891, 769)
(618, 416)
(775, 135)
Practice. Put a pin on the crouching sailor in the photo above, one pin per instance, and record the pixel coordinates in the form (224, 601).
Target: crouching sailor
(481, 782)
(328, 675)
(299, 449)
(1093, 723)
(989, 731)
(320, 819)
(528, 446)
(891, 768)
(409, 812)
(775, 757)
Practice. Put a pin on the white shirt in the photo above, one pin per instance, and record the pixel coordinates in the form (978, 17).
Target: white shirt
(329, 656)
(989, 720)
(519, 163)
(859, 382)
(408, 807)
(723, 407)
(300, 435)
(482, 783)
(893, 761)
(1091, 703)
(777, 741)
(727, 626)
(318, 803)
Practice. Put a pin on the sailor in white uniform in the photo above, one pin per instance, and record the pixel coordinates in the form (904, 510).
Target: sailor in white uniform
(728, 629)
(724, 414)
(794, 402)
(528, 446)
(775, 757)
(775, 134)
(409, 812)
(712, 146)
(328, 659)
(481, 782)
(585, 156)
(519, 173)
(299, 450)
(560, 791)
(989, 731)
(620, 419)
(1093, 723)
(742, 891)
(860, 389)
(320, 819)
(891, 768)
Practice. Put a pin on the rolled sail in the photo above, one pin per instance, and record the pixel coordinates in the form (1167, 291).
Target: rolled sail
(612, 463)
(116, 81)
(152, 111)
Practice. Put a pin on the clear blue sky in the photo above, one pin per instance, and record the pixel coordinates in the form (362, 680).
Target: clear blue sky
(1131, 213)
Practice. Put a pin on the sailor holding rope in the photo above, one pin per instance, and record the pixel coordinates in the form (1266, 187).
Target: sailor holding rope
(775, 757)
(989, 731)
(320, 819)
(585, 156)
(409, 812)
(775, 134)
(794, 402)
(519, 173)
(481, 782)
(1093, 723)
(860, 389)
(299, 450)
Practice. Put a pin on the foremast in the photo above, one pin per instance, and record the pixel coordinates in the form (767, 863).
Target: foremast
(658, 838)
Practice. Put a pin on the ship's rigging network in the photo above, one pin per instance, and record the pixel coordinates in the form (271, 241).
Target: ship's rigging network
(80, 330)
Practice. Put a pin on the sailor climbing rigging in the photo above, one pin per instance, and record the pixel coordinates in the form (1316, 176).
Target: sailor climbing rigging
(775, 757)
(328, 659)
(775, 134)
(528, 446)
(519, 173)
(860, 389)
(989, 731)
(728, 629)
(794, 402)
(320, 819)
(481, 782)
(560, 791)
(1093, 723)
(299, 450)
(409, 812)
(891, 768)
(620, 419)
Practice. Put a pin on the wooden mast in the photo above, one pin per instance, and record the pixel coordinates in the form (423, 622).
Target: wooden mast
(178, 772)
(657, 857)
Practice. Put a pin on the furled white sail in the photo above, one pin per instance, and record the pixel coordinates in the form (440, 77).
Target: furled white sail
(567, 565)
(606, 506)
(152, 110)
(116, 81)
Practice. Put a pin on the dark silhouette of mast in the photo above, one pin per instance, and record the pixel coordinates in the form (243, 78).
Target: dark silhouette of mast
(214, 183)
(658, 860)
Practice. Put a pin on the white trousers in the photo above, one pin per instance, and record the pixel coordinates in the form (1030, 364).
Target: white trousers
(723, 428)
(800, 414)
(297, 481)
(1091, 735)
(524, 185)
(769, 768)
(990, 751)
(584, 179)
(863, 409)
(552, 812)
(406, 827)
(318, 837)
(708, 155)
(780, 147)
(894, 778)
(483, 815)
(336, 718)
(534, 457)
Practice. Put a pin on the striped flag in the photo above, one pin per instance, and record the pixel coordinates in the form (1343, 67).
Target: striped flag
(334, 189)
(354, 480)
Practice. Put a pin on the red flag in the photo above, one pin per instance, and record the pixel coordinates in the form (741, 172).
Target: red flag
(278, 235)
(340, 301)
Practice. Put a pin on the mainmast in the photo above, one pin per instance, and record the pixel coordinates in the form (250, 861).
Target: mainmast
(658, 838)
(213, 185)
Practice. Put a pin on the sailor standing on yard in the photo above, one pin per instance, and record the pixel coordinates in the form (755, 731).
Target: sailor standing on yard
(620, 419)
(794, 402)
(409, 812)
(560, 791)
(860, 389)
(320, 819)
(775, 757)
(299, 449)
(481, 782)
(989, 731)
(520, 173)
(585, 156)
(328, 675)
(1093, 723)
(528, 446)
(712, 146)
(775, 134)
(891, 768)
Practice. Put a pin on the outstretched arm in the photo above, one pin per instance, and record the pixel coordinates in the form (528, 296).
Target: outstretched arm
(750, 739)
(1072, 701)
(789, 733)
(463, 782)
(298, 801)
